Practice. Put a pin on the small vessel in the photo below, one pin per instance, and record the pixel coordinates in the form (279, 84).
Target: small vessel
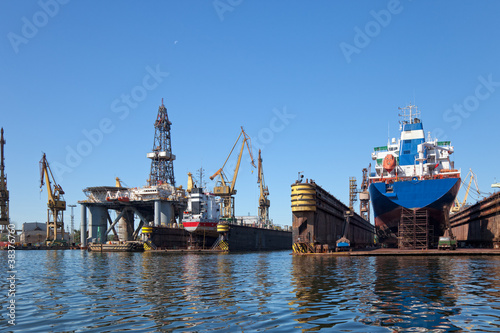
(413, 174)
(202, 213)
(116, 246)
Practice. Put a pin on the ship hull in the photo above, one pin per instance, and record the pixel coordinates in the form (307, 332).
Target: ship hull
(203, 226)
(434, 195)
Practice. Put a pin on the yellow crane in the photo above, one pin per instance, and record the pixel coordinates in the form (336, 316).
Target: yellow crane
(56, 204)
(264, 202)
(224, 188)
(472, 176)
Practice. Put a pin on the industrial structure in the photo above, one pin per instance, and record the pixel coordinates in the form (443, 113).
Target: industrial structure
(157, 205)
(478, 225)
(162, 159)
(319, 220)
(264, 202)
(72, 225)
(56, 204)
(364, 196)
(4, 193)
(225, 188)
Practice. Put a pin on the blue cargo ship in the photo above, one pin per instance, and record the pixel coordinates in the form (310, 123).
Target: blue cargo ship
(412, 173)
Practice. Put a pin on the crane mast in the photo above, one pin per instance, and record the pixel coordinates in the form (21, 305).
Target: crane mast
(225, 188)
(56, 204)
(264, 202)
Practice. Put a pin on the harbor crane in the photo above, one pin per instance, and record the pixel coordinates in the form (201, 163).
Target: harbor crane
(264, 202)
(364, 207)
(460, 205)
(56, 204)
(225, 188)
(343, 243)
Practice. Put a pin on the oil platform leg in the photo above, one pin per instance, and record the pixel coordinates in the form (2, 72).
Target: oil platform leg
(126, 225)
(83, 227)
(166, 213)
(97, 225)
(157, 212)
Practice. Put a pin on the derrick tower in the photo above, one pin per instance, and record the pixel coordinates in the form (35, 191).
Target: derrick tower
(162, 159)
(4, 194)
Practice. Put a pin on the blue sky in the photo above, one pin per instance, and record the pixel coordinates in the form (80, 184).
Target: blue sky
(315, 84)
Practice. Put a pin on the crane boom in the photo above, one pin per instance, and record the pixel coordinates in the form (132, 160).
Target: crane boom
(226, 190)
(459, 205)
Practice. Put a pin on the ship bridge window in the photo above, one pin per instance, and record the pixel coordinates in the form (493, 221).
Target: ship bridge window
(406, 152)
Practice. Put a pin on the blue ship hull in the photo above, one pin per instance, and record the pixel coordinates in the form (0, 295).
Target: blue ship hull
(435, 195)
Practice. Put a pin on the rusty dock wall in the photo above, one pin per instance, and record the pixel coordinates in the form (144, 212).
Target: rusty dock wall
(318, 219)
(479, 225)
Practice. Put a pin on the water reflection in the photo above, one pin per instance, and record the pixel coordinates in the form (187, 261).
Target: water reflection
(414, 292)
(157, 292)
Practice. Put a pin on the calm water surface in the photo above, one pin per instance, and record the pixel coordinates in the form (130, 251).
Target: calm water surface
(77, 291)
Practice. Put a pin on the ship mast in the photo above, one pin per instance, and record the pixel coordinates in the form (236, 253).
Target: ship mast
(410, 114)
(4, 193)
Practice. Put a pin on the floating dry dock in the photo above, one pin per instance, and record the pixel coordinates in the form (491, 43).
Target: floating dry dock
(386, 252)
(478, 225)
(319, 221)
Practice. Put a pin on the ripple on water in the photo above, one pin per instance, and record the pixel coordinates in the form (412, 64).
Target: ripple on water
(65, 291)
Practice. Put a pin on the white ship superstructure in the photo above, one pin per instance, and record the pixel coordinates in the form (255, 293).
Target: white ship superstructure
(411, 155)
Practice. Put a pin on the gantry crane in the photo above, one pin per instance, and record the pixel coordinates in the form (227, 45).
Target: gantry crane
(56, 204)
(264, 202)
(459, 205)
(224, 188)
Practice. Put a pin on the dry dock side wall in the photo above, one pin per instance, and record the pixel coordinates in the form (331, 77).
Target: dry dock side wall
(239, 238)
(245, 238)
(318, 217)
(479, 225)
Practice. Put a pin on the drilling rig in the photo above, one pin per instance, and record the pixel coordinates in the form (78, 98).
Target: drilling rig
(56, 204)
(224, 188)
(264, 202)
(162, 159)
